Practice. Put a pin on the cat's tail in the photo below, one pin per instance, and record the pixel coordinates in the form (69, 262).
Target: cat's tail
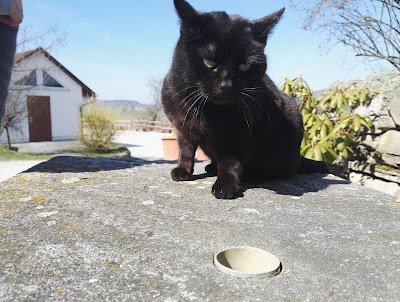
(311, 166)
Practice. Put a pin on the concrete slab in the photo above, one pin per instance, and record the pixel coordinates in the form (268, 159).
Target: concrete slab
(54, 147)
(10, 168)
(143, 145)
(82, 229)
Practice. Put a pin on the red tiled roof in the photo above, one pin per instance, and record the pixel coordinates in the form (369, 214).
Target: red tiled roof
(23, 55)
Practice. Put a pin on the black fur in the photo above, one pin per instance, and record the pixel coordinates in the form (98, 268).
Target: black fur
(249, 128)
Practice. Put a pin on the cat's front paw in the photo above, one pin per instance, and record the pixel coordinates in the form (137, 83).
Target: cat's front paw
(226, 190)
(180, 174)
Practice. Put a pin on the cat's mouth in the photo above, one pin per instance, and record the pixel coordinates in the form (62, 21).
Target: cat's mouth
(224, 98)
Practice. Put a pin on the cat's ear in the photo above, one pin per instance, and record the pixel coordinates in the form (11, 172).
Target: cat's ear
(188, 15)
(262, 27)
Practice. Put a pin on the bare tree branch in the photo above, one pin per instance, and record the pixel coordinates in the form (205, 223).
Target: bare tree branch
(48, 39)
(370, 27)
(155, 84)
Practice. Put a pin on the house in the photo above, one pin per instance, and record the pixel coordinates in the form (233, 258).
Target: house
(49, 96)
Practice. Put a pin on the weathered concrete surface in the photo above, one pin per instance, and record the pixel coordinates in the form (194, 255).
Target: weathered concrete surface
(112, 230)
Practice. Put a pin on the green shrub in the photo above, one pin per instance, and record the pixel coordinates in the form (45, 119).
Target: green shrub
(97, 130)
(330, 122)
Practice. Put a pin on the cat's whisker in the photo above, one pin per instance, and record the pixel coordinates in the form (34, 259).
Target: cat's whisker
(253, 99)
(197, 109)
(249, 123)
(184, 89)
(187, 112)
(190, 102)
(191, 95)
(250, 115)
(184, 83)
(196, 99)
(204, 103)
(193, 109)
(250, 99)
(255, 90)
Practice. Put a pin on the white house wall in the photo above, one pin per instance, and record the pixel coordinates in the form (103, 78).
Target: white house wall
(64, 102)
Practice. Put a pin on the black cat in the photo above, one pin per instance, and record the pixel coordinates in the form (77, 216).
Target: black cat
(218, 97)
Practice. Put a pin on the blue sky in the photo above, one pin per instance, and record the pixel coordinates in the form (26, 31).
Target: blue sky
(115, 47)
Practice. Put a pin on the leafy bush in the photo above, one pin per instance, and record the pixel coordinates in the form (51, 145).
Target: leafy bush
(97, 129)
(330, 121)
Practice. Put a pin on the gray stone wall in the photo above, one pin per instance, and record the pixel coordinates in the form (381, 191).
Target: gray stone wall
(376, 163)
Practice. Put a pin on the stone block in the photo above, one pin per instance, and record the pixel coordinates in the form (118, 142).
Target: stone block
(389, 142)
(394, 107)
(80, 229)
(356, 177)
(378, 111)
(392, 160)
(382, 186)
(371, 141)
(376, 184)
(384, 122)
(376, 170)
(375, 108)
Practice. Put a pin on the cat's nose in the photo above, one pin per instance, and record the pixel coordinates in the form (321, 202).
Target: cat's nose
(226, 84)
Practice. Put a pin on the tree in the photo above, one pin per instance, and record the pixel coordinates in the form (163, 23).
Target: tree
(371, 28)
(15, 113)
(155, 86)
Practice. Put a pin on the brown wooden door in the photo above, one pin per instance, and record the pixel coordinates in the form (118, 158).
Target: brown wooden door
(39, 118)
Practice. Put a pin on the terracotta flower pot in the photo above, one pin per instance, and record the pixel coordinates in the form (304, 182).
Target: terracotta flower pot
(200, 155)
(171, 149)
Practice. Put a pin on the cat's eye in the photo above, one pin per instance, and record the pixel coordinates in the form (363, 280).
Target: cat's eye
(244, 67)
(209, 63)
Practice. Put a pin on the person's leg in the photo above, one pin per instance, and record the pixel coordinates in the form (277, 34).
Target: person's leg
(8, 36)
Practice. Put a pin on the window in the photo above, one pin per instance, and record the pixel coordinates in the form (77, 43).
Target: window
(28, 80)
(49, 81)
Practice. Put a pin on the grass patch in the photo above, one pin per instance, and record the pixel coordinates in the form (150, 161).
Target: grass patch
(7, 155)
(116, 151)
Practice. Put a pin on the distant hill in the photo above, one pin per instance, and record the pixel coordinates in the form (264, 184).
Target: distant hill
(128, 105)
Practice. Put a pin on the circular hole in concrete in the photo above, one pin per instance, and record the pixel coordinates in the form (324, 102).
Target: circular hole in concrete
(247, 261)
